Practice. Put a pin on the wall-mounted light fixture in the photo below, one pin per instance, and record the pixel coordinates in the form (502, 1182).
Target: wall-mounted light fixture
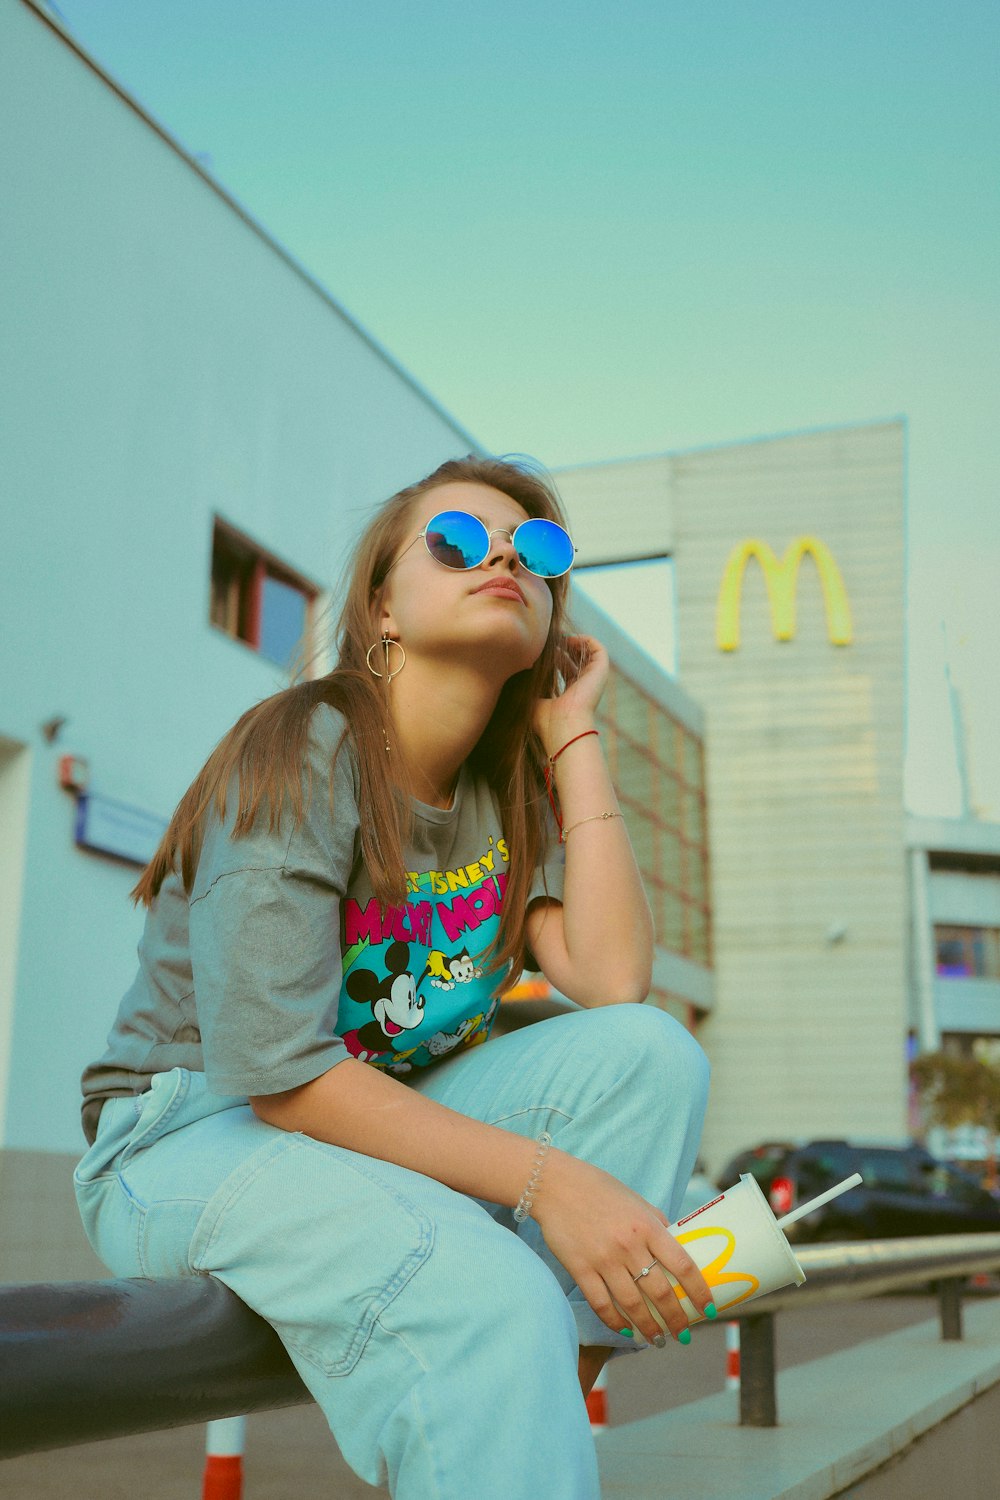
(74, 773)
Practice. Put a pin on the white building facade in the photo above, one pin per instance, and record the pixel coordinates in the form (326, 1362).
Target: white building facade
(955, 934)
(168, 369)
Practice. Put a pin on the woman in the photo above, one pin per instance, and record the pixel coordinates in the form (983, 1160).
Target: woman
(296, 1097)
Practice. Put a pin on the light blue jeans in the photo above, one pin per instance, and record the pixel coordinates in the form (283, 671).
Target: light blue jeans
(438, 1335)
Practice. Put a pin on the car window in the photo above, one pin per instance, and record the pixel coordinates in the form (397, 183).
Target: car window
(961, 1188)
(763, 1165)
(894, 1171)
(819, 1167)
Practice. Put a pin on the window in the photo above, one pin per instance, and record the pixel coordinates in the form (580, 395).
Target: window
(819, 1167)
(893, 1171)
(971, 1045)
(968, 952)
(257, 599)
(657, 766)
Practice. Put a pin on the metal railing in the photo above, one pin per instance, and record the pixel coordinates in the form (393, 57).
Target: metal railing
(845, 1273)
(84, 1360)
(81, 1361)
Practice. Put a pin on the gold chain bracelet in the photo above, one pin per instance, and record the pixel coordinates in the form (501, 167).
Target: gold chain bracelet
(597, 818)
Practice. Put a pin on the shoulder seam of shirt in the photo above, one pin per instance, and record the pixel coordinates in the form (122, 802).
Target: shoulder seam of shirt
(243, 870)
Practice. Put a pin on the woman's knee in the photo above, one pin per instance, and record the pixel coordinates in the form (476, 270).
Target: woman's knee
(649, 1063)
(650, 1042)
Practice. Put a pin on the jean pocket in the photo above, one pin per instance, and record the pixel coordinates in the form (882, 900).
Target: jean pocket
(166, 1230)
(318, 1240)
(158, 1106)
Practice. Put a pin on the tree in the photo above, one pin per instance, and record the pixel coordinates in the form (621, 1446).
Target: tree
(961, 1091)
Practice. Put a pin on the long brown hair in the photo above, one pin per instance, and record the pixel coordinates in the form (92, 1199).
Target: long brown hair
(267, 744)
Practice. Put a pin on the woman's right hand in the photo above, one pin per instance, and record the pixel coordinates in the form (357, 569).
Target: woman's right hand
(604, 1234)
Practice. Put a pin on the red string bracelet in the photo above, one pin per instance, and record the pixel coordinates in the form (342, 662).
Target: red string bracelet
(583, 736)
(548, 773)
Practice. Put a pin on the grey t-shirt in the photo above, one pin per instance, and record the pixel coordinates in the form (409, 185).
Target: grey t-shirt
(280, 964)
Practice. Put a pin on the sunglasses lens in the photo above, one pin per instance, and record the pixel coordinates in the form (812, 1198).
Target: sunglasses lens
(457, 539)
(544, 547)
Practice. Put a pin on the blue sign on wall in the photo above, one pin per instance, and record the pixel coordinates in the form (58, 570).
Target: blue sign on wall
(114, 828)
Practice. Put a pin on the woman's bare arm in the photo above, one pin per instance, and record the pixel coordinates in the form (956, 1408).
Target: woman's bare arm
(366, 1110)
(597, 946)
(596, 1226)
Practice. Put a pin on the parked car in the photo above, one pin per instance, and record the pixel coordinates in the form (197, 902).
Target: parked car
(975, 1168)
(904, 1190)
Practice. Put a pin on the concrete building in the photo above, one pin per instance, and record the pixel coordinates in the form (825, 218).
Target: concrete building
(789, 565)
(955, 951)
(955, 885)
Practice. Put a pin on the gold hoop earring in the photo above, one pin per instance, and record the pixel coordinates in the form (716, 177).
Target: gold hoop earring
(385, 643)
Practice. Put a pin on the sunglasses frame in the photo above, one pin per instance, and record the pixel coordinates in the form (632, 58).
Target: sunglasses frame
(497, 531)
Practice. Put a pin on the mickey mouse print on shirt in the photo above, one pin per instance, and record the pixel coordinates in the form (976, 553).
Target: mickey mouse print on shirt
(413, 988)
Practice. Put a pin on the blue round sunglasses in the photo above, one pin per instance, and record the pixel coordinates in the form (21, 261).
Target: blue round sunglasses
(459, 540)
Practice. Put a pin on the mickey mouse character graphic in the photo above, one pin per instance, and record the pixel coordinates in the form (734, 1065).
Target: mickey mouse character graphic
(394, 1001)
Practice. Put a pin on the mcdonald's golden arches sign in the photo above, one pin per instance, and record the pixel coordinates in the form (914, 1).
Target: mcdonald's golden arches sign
(782, 584)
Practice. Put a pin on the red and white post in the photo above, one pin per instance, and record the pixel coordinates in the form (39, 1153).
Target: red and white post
(225, 1443)
(597, 1402)
(732, 1356)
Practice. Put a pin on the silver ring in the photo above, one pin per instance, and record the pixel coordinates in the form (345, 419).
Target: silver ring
(646, 1269)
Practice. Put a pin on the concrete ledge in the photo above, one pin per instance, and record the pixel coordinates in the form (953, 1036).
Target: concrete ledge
(841, 1417)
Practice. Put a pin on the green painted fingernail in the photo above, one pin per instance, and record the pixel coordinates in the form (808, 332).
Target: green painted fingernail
(627, 1332)
(711, 1311)
(684, 1337)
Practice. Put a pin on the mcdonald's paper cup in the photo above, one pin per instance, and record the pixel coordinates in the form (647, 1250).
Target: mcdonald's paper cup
(737, 1245)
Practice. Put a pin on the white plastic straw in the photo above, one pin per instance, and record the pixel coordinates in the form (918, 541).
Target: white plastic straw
(807, 1208)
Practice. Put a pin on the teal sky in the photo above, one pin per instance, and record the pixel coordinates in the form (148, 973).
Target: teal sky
(600, 230)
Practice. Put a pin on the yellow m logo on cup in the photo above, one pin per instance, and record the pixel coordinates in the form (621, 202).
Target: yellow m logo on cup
(715, 1272)
(782, 582)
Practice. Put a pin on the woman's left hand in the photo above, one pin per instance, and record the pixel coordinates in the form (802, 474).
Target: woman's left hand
(584, 665)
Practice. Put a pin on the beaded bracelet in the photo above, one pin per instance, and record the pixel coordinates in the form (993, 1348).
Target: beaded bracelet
(524, 1202)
